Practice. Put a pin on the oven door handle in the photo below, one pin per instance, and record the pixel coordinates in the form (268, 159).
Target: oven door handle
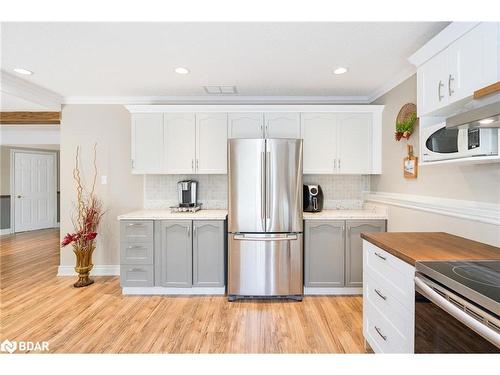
(457, 313)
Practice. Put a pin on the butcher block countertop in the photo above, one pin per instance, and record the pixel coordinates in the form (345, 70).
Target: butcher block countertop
(418, 246)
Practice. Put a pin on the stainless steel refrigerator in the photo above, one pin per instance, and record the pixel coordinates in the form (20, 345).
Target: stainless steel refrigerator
(265, 218)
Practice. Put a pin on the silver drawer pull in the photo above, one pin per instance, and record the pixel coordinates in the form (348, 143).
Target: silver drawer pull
(134, 247)
(380, 294)
(135, 225)
(135, 270)
(380, 256)
(380, 333)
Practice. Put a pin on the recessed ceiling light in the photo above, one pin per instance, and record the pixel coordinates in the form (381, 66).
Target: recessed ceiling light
(23, 71)
(181, 70)
(486, 121)
(340, 70)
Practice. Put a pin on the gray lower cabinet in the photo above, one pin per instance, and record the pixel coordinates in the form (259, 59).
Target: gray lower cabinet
(136, 254)
(324, 253)
(333, 251)
(354, 248)
(173, 253)
(208, 253)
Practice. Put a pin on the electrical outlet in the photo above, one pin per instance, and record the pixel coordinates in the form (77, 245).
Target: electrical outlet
(104, 180)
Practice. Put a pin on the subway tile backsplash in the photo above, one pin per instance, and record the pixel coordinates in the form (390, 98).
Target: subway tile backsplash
(340, 191)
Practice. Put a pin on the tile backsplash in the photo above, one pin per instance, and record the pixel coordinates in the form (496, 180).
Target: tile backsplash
(340, 191)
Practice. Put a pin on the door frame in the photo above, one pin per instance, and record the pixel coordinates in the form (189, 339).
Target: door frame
(12, 183)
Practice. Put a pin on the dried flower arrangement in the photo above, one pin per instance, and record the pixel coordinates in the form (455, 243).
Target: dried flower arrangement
(85, 222)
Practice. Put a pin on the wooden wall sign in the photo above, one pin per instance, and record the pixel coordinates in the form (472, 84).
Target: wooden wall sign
(410, 164)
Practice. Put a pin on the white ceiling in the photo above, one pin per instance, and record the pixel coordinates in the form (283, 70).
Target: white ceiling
(260, 59)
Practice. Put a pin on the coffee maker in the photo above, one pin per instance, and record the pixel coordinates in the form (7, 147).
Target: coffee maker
(187, 190)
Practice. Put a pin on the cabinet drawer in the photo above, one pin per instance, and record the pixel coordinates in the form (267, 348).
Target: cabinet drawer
(136, 275)
(382, 336)
(136, 253)
(136, 231)
(387, 305)
(393, 274)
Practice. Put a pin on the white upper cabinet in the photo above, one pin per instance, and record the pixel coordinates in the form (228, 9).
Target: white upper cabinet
(179, 143)
(211, 143)
(355, 143)
(457, 70)
(319, 131)
(147, 143)
(282, 125)
(246, 125)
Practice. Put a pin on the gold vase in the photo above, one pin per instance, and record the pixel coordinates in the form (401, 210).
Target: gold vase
(84, 264)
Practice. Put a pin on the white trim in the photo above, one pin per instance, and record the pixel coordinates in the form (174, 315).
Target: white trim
(29, 91)
(253, 108)
(13, 152)
(159, 290)
(219, 99)
(482, 212)
(312, 291)
(25, 135)
(442, 40)
(5, 231)
(98, 270)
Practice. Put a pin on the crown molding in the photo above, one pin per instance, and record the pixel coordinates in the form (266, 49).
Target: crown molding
(220, 99)
(31, 92)
(397, 80)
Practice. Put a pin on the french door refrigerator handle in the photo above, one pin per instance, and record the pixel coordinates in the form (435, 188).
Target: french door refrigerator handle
(268, 185)
(249, 237)
(456, 312)
(263, 189)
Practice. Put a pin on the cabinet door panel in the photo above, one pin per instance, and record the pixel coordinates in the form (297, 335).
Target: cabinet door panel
(208, 253)
(354, 248)
(473, 61)
(147, 143)
(179, 140)
(432, 84)
(174, 253)
(355, 143)
(246, 125)
(282, 125)
(319, 131)
(324, 253)
(211, 143)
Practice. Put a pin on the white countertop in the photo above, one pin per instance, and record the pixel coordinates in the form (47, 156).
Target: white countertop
(167, 215)
(367, 214)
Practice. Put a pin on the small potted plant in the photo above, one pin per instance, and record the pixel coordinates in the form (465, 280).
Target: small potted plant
(404, 127)
(86, 221)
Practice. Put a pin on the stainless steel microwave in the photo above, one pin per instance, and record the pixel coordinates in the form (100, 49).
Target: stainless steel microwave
(441, 143)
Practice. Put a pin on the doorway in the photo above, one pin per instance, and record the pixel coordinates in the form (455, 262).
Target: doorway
(33, 190)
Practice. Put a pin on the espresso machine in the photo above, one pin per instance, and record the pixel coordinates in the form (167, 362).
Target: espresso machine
(187, 195)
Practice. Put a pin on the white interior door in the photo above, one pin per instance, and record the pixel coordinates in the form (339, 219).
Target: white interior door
(355, 143)
(211, 143)
(179, 133)
(34, 191)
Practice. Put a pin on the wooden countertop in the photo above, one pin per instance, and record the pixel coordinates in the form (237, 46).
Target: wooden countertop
(417, 246)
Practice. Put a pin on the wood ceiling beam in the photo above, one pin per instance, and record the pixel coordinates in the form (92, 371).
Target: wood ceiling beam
(28, 118)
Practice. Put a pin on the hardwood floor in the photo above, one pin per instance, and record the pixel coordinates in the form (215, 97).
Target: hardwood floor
(36, 305)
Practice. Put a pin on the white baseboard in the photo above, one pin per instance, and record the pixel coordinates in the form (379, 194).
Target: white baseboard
(98, 270)
(311, 291)
(159, 290)
(5, 231)
(482, 212)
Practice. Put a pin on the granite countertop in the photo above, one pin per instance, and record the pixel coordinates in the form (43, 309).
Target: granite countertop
(412, 247)
(368, 213)
(165, 214)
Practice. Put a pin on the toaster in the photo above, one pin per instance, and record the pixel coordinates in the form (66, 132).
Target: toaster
(313, 198)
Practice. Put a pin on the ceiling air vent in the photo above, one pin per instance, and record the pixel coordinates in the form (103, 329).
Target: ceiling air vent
(220, 90)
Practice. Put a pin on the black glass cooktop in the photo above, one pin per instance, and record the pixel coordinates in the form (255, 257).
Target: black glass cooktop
(477, 280)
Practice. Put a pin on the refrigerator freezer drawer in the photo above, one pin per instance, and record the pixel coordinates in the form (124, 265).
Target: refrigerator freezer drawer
(265, 265)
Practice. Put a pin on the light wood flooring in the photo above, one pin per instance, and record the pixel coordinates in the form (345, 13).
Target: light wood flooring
(36, 305)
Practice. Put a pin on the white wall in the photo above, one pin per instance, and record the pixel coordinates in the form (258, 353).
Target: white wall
(109, 126)
(476, 183)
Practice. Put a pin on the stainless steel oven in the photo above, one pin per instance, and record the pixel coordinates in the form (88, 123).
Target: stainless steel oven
(457, 306)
